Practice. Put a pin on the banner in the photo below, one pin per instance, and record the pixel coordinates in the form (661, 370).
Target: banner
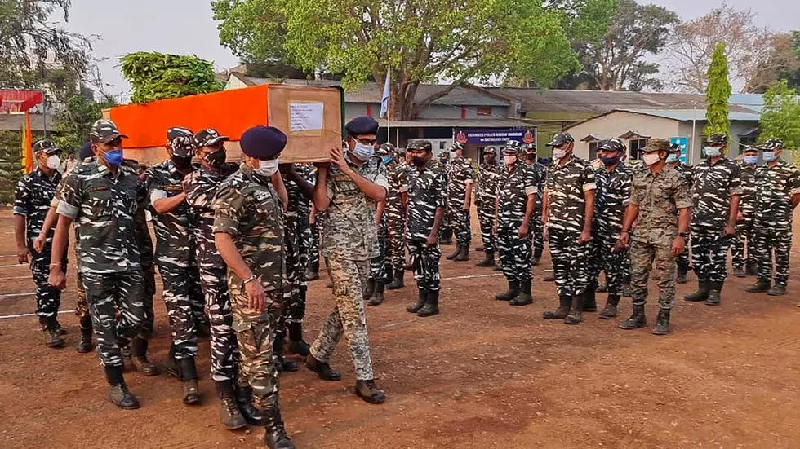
(683, 142)
(493, 136)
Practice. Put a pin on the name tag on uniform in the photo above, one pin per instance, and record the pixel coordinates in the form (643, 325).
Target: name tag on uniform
(96, 189)
(173, 188)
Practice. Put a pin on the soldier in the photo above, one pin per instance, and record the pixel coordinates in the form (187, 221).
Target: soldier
(515, 203)
(35, 191)
(459, 196)
(378, 274)
(249, 234)
(743, 242)
(567, 217)
(716, 187)
(102, 198)
(446, 229)
(348, 189)
(537, 230)
(427, 201)
(485, 201)
(777, 194)
(674, 162)
(613, 193)
(174, 226)
(659, 205)
(396, 201)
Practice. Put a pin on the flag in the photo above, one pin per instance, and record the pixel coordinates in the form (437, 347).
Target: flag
(385, 98)
(27, 142)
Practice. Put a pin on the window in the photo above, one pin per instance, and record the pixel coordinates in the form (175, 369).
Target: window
(748, 140)
(635, 147)
(484, 111)
(593, 150)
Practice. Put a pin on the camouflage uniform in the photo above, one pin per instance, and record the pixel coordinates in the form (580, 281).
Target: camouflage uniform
(485, 196)
(682, 261)
(349, 241)
(744, 241)
(426, 193)
(536, 225)
(459, 180)
(395, 215)
(297, 240)
(513, 189)
(613, 193)
(174, 242)
(446, 230)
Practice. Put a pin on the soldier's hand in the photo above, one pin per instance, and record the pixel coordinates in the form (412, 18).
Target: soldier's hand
(678, 245)
(57, 278)
(623, 242)
(22, 254)
(585, 238)
(38, 243)
(432, 239)
(523, 230)
(255, 296)
(337, 159)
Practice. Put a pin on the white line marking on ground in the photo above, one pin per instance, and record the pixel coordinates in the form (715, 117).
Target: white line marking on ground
(15, 265)
(15, 295)
(15, 277)
(5, 317)
(473, 276)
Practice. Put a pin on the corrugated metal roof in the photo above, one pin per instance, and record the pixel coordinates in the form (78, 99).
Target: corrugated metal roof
(455, 123)
(687, 115)
(595, 101)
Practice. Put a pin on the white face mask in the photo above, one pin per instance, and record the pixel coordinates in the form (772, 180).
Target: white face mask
(559, 153)
(267, 168)
(509, 159)
(650, 158)
(363, 151)
(711, 151)
(53, 162)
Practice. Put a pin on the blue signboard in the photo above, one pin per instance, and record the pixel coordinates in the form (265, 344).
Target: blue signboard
(684, 144)
(493, 136)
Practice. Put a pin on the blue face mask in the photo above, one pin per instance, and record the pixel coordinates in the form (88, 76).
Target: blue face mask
(113, 157)
(769, 156)
(672, 158)
(750, 160)
(387, 159)
(363, 151)
(711, 151)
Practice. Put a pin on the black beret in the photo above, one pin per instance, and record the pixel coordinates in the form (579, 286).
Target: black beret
(86, 151)
(263, 142)
(362, 125)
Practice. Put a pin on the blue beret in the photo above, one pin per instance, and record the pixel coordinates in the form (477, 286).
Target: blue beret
(262, 142)
(86, 151)
(362, 125)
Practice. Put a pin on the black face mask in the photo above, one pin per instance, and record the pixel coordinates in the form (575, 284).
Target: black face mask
(216, 159)
(182, 161)
(419, 161)
(531, 156)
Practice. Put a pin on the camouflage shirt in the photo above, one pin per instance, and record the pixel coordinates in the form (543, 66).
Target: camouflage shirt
(349, 230)
(541, 176)
(513, 189)
(426, 193)
(398, 183)
(174, 229)
(298, 206)
(712, 189)
(35, 192)
(775, 187)
(612, 195)
(460, 175)
(201, 188)
(748, 199)
(486, 187)
(248, 208)
(659, 198)
(565, 187)
(104, 207)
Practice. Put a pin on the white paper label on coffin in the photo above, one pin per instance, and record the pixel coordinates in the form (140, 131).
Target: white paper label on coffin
(305, 116)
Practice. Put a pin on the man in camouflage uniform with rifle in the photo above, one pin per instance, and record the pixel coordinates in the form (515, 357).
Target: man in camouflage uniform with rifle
(379, 276)
(485, 202)
(743, 252)
(397, 170)
(459, 197)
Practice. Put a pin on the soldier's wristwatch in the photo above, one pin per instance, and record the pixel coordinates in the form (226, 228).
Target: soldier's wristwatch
(252, 278)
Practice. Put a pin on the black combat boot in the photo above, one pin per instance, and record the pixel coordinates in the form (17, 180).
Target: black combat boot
(524, 297)
(421, 299)
(589, 300)
(296, 343)
(323, 370)
(537, 257)
(455, 252)
(369, 392)
(463, 256)
(171, 363)
(244, 399)
(85, 345)
(369, 289)
(118, 392)
(312, 272)
(446, 237)
(513, 291)
(637, 320)
(703, 287)
(139, 357)
(488, 261)
(431, 306)
(283, 365)
(377, 297)
(52, 336)
(761, 286)
(275, 436)
(610, 311)
(751, 268)
(191, 392)
(202, 328)
(662, 323)
(397, 282)
(229, 411)
(777, 290)
(575, 315)
(562, 311)
(714, 291)
(681, 276)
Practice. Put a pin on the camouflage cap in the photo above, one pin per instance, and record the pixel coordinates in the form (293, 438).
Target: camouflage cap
(209, 137)
(773, 144)
(491, 150)
(512, 144)
(422, 145)
(105, 131)
(718, 140)
(530, 147)
(386, 149)
(611, 145)
(181, 141)
(750, 149)
(456, 146)
(656, 145)
(561, 139)
(443, 154)
(46, 146)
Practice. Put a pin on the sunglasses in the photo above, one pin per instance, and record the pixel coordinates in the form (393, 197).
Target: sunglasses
(367, 141)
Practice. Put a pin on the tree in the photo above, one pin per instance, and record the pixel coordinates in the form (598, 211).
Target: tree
(718, 93)
(10, 164)
(156, 76)
(75, 118)
(780, 118)
(414, 41)
(781, 63)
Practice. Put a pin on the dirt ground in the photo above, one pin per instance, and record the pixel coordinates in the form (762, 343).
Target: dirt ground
(480, 375)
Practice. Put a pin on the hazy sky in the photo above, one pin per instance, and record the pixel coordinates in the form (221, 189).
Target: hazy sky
(186, 27)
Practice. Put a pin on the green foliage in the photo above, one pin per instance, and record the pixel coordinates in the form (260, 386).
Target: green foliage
(780, 118)
(10, 164)
(75, 119)
(156, 76)
(718, 93)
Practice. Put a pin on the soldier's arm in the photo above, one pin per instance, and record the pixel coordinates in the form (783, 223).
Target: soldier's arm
(545, 207)
(795, 187)
(468, 190)
(379, 212)
(21, 210)
(162, 203)
(280, 187)
(684, 219)
(320, 198)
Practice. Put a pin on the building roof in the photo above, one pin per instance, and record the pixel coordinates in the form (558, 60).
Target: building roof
(681, 115)
(456, 123)
(594, 101)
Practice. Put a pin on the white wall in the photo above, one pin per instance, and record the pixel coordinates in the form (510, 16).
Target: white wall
(616, 124)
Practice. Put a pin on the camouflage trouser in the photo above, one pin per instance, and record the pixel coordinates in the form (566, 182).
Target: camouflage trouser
(196, 297)
(614, 264)
(459, 221)
(682, 261)
(109, 295)
(515, 254)
(710, 254)
(48, 298)
(766, 241)
(257, 366)
(643, 255)
(177, 288)
(377, 265)
(626, 267)
(296, 263)
(425, 264)
(316, 230)
(224, 349)
(569, 262)
(396, 254)
(743, 249)
(81, 308)
(537, 230)
(486, 217)
(348, 317)
(148, 292)
(297, 304)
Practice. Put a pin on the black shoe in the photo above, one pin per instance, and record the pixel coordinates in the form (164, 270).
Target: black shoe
(275, 436)
(637, 320)
(312, 273)
(85, 344)
(296, 343)
(752, 269)
(397, 282)
(431, 306)
(524, 297)
(191, 391)
(369, 289)
(761, 286)
(455, 253)
(777, 290)
(589, 300)
(285, 365)
(488, 261)
(323, 370)
(202, 329)
(60, 329)
(713, 294)
(463, 256)
(513, 291)
(739, 272)
(369, 392)
(229, 412)
(562, 311)
(171, 363)
(703, 288)
(575, 315)
(680, 278)
(536, 261)
(610, 311)
(421, 299)
(52, 338)
(139, 358)
(244, 399)
(662, 323)
(377, 297)
(121, 397)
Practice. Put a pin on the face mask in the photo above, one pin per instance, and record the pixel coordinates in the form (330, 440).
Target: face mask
(610, 160)
(650, 158)
(672, 158)
(559, 153)
(113, 157)
(419, 161)
(53, 162)
(267, 168)
(509, 160)
(711, 151)
(491, 161)
(182, 161)
(387, 159)
(531, 156)
(751, 160)
(442, 161)
(769, 156)
(216, 159)
(363, 152)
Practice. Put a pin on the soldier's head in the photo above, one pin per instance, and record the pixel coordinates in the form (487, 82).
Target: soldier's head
(674, 153)
(106, 142)
(716, 145)
(610, 151)
(444, 156)
(210, 148)
(490, 155)
(457, 149)
(47, 155)
(750, 155)
(510, 155)
(362, 133)
(180, 146)
(387, 152)
(420, 151)
(562, 145)
(530, 152)
(771, 150)
(261, 147)
(655, 152)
